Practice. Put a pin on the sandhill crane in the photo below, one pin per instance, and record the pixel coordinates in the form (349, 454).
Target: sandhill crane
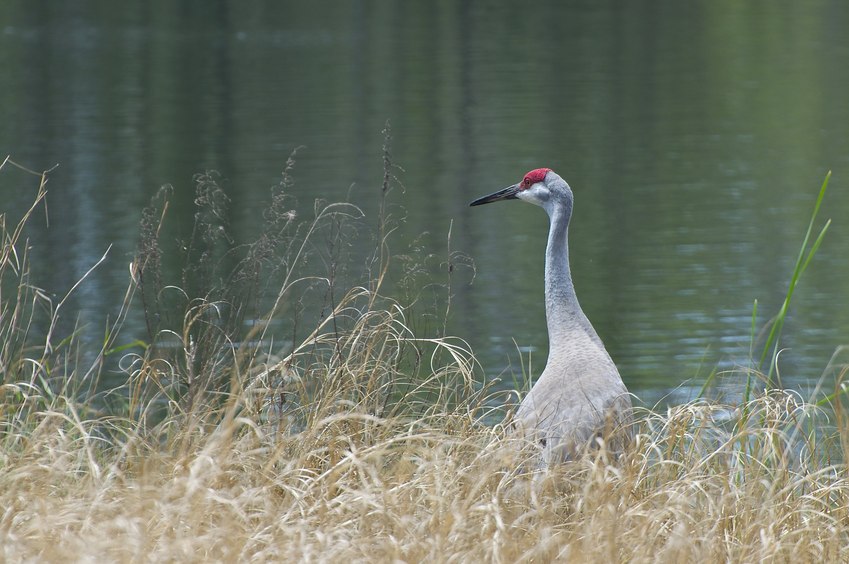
(580, 396)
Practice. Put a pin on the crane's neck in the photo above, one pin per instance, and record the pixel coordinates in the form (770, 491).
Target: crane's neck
(566, 321)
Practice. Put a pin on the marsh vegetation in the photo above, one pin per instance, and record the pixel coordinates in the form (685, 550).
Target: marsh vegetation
(282, 407)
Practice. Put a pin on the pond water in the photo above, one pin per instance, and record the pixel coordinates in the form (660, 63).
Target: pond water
(695, 137)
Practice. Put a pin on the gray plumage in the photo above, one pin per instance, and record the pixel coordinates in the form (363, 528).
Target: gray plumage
(580, 396)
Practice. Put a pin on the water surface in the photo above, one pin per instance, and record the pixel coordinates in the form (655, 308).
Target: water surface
(695, 138)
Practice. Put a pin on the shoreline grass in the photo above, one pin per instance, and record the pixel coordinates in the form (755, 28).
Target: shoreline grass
(360, 440)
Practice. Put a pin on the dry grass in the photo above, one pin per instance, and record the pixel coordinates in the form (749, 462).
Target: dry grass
(363, 442)
(356, 487)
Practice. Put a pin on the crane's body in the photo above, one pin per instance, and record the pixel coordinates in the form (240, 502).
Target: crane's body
(580, 396)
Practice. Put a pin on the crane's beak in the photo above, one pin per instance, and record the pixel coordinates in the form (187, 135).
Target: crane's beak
(508, 193)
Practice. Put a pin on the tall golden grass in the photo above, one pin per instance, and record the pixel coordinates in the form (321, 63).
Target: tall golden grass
(362, 441)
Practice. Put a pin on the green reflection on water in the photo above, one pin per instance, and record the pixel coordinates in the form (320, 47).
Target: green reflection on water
(694, 137)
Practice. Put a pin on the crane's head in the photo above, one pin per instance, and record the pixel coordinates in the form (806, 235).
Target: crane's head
(541, 186)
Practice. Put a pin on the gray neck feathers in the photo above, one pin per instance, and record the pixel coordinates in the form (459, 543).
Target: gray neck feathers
(567, 323)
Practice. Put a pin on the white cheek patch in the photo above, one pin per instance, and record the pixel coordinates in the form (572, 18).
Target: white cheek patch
(536, 194)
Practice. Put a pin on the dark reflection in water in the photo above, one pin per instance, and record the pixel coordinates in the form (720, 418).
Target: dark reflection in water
(694, 136)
